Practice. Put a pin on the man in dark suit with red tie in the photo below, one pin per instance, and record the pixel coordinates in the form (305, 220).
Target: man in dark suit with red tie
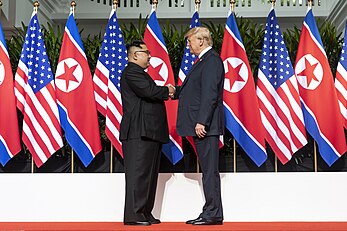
(143, 130)
(200, 115)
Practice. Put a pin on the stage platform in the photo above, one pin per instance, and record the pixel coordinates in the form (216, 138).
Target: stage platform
(174, 226)
(251, 201)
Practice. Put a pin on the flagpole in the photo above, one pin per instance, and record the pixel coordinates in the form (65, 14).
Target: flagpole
(315, 156)
(273, 2)
(115, 4)
(310, 3)
(232, 5)
(154, 4)
(72, 160)
(0, 9)
(36, 6)
(114, 7)
(73, 6)
(234, 150)
(232, 8)
(314, 142)
(197, 5)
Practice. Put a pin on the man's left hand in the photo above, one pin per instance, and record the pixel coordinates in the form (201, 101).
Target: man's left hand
(200, 130)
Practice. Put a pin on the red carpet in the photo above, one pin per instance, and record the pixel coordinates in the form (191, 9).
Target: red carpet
(174, 226)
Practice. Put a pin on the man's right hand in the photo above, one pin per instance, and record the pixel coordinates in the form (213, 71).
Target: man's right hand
(172, 90)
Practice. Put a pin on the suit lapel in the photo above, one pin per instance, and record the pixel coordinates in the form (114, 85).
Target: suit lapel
(205, 56)
(190, 71)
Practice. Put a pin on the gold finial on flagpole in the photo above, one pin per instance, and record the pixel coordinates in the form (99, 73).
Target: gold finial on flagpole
(154, 4)
(197, 4)
(115, 4)
(273, 2)
(0, 9)
(232, 5)
(73, 6)
(36, 6)
(310, 3)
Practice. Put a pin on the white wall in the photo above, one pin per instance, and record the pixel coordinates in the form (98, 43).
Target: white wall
(246, 197)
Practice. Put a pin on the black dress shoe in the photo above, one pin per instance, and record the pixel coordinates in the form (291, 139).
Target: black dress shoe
(189, 222)
(204, 221)
(154, 221)
(139, 223)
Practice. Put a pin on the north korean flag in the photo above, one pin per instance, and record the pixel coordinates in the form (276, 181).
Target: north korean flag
(318, 96)
(75, 95)
(9, 131)
(242, 116)
(161, 71)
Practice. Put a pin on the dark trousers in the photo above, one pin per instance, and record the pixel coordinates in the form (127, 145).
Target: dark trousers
(208, 154)
(141, 165)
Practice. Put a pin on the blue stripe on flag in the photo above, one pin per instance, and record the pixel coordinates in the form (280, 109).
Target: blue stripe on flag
(328, 154)
(72, 27)
(82, 150)
(172, 152)
(231, 23)
(256, 153)
(2, 37)
(309, 20)
(4, 157)
(155, 27)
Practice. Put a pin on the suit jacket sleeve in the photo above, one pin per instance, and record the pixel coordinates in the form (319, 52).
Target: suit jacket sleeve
(210, 84)
(177, 92)
(144, 87)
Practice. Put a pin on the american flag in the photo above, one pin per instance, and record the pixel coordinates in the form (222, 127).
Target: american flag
(278, 95)
(75, 96)
(161, 71)
(242, 117)
(112, 60)
(188, 58)
(9, 131)
(318, 96)
(35, 96)
(341, 80)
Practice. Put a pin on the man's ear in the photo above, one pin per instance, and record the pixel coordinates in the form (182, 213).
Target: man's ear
(201, 42)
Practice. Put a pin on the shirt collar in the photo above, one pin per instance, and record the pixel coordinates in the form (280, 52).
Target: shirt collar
(204, 51)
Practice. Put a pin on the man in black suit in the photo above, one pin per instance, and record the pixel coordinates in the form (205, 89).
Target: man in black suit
(143, 130)
(200, 115)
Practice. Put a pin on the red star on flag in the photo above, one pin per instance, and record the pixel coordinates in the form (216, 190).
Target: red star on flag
(155, 72)
(233, 74)
(68, 75)
(308, 72)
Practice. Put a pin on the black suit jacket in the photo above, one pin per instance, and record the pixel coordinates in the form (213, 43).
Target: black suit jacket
(144, 112)
(201, 97)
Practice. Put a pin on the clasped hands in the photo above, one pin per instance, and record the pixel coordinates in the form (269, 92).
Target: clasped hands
(172, 90)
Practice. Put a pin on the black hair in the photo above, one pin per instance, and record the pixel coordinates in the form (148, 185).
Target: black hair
(135, 43)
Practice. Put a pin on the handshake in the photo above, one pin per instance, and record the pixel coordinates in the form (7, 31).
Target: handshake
(172, 90)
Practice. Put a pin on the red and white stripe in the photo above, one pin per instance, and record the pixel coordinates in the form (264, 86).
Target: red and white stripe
(109, 103)
(41, 125)
(281, 115)
(100, 80)
(341, 90)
